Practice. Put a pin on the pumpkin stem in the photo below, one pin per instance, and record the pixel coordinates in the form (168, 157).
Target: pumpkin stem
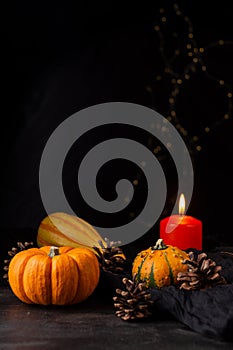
(159, 245)
(53, 251)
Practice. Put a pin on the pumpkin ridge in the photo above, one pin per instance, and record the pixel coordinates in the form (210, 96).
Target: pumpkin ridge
(63, 288)
(84, 274)
(22, 278)
(34, 284)
(73, 301)
(151, 276)
(17, 265)
(36, 252)
(170, 268)
(140, 268)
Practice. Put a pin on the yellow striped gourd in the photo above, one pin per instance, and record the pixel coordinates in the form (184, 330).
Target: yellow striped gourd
(62, 229)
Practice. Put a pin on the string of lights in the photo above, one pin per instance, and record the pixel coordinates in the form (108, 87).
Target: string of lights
(183, 59)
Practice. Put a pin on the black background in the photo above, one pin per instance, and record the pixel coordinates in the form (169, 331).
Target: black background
(60, 57)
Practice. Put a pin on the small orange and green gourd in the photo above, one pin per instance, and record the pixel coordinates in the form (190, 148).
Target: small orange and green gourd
(159, 265)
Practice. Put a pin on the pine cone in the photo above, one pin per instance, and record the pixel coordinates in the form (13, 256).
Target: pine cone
(20, 246)
(134, 302)
(111, 258)
(202, 273)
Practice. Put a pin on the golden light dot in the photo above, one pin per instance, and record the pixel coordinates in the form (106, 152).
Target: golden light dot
(183, 131)
(148, 88)
(190, 54)
(201, 49)
(178, 12)
(175, 92)
(169, 118)
(195, 60)
(173, 81)
(221, 82)
(190, 35)
(229, 94)
(167, 70)
(195, 138)
(195, 49)
(156, 150)
(135, 182)
(157, 28)
(198, 148)
(179, 81)
(171, 100)
(203, 68)
(168, 145)
(164, 19)
(187, 76)
(178, 126)
(189, 46)
(173, 113)
(221, 42)
(161, 10)
(207, 129)
(226, 116)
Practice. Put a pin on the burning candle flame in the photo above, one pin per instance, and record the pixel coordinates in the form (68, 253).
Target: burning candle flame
(181, 204)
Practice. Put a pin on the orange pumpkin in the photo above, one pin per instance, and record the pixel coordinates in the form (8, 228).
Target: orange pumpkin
(61, 229)
(51, 275)
(158, 266)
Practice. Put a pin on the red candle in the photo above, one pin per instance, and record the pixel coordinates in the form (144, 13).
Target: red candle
(181, 230)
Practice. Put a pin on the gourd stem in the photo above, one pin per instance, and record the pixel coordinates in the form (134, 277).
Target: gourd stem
(53, 251)
(159, 245)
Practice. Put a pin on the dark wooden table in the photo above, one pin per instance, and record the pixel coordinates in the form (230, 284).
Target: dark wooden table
(89, 325)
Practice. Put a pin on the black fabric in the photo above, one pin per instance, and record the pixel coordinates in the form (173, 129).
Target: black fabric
(208, 312)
